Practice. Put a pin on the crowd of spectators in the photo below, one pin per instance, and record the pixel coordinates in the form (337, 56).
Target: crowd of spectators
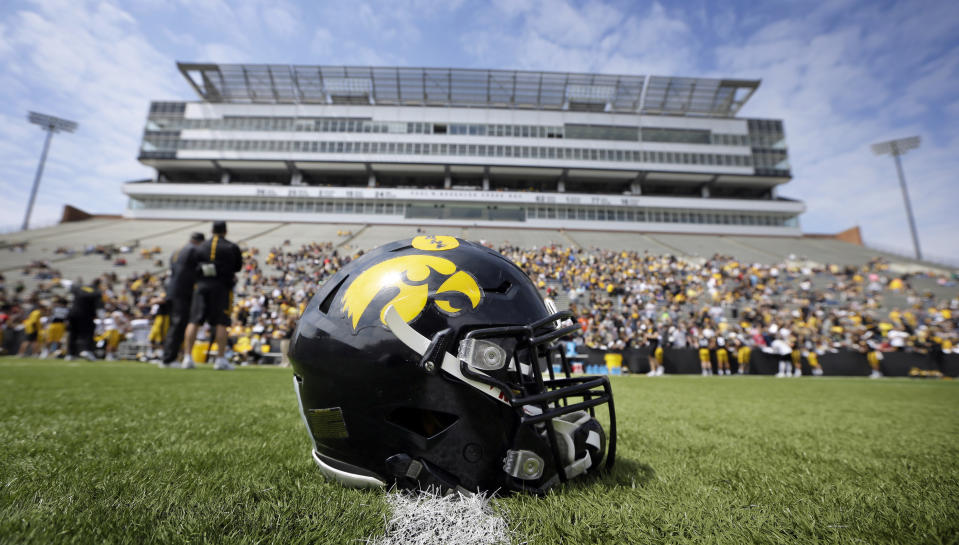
(622, 299)
(629, 300)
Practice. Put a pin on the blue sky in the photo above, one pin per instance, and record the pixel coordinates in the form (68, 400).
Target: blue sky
(842, 74)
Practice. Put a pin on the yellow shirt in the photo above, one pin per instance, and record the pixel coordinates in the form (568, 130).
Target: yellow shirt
(32, 321)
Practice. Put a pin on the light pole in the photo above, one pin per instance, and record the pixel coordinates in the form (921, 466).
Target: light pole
(897, 148)
(50, 124)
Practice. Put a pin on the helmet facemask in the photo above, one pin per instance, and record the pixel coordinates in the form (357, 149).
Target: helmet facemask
(557, 437)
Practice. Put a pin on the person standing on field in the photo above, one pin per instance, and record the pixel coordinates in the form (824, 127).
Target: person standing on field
(179, 296)
(217, 262)
(83, 311)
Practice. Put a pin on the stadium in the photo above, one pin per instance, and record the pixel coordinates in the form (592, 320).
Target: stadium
(642, 204)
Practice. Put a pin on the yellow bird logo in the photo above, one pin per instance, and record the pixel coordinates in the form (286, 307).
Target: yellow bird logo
(409, 276)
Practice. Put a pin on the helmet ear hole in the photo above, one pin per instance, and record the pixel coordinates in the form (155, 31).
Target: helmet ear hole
(504, 287)
(328, 300)
(423, 422)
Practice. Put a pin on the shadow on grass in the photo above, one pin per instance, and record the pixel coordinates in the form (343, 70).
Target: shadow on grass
(626, 473)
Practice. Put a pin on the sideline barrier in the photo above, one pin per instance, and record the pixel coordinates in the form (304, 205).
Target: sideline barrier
(685, 361)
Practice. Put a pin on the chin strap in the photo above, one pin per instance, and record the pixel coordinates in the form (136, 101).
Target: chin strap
(421, 345)
(579, 441)
(575, 434)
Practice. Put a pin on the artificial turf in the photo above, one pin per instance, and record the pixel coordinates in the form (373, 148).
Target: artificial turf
(123, 452)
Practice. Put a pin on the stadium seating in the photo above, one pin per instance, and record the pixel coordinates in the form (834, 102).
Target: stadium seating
(168, 235)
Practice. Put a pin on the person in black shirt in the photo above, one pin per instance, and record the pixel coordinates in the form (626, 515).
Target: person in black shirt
(80, 319)
(217, 262)
(179, 295)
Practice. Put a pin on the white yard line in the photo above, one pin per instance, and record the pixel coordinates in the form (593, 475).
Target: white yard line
(426, 518)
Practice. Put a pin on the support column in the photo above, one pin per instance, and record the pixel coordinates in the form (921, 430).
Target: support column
(447, 178)
(485, 178)
(225, 177)
(705, 191)
(772, 192)
(561, 183)
(371, 179)
(296, 178)
(636, 187)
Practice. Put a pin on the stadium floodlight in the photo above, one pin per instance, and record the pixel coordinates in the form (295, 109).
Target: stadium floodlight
(50, 124)
(897, 148)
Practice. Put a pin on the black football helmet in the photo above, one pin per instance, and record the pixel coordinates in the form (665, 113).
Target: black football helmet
(420, 365)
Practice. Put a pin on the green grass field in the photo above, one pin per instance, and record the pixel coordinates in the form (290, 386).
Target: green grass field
(124, 452)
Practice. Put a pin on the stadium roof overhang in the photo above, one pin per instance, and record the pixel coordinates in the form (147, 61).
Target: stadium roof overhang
(461, 87)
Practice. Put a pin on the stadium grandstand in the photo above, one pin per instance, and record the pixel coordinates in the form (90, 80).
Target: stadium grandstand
(641, 203)
(449, 146)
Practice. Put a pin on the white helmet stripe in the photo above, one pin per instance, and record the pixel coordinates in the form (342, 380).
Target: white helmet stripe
(418, 343)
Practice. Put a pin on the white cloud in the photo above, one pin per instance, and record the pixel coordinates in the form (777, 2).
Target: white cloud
(222, 53)
(88, 62)
(564, 36)
(322, 43)
(281, 21)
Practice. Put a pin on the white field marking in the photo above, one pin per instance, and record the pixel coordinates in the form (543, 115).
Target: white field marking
(426, 518)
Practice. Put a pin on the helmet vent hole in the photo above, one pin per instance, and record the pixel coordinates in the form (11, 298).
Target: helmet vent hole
(328, 300)
(422, 422)
(502, 288)
(401, 248)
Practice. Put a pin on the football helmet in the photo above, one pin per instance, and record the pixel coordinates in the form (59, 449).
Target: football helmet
(421, 365)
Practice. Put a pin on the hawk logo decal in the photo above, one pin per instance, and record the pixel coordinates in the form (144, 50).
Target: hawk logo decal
(407, 279)
(435, 243)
